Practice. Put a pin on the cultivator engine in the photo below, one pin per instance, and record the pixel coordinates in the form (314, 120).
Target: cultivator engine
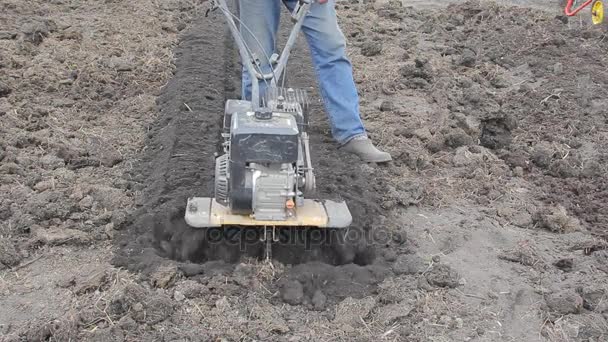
(265, 172)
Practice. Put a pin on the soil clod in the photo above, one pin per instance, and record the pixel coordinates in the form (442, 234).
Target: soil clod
(9, 255)
(564, 302)
(319, 300)
(442, 276)
(371, 48)
(292, 292)
(4, 89)
(496, 131)
(164, 276)
(409, 264)
(557, 219)
(351, 311)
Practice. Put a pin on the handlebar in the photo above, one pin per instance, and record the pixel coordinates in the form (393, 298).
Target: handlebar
(298, 14)
(570, 12)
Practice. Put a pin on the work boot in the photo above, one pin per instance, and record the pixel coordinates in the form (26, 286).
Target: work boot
(365, 149)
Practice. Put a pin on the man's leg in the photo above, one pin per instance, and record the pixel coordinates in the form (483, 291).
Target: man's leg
(334, 72)
(259, 25)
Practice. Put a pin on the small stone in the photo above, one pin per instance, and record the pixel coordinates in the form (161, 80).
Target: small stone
(467, 123)
(594, 298)
(167, 27)
(138, 307)
(6, 35)
(404, 131)
(222, 304)
(564, 264)
(63, 103)
(436, 143)
(9, 256)
(421, 62)
(11, 169)
(51, 162)
(292, 292)
(319, 300)
(563, 169)
(35, 32)
(70, 34)
(557, 220)
(66, 282)
(564, 302)
(243, 274)
(4, 89)
(525, 88)
(178, 296)
(44, 185)
(445, 320)
(458, 138)
(558, 68)
(371, 48)
(110, 157)
(395, 4)
(390, 255)
(518, 171)
(399, 237)
(409, 264)
(119, 217)
(423, 133)
(350, 311)
(591, 169)
(176, 5)
(164, 276)
(124, 66)
(387, 106)
(499, 82)
(109, 230)
(192, 289)
(127, 323)
(93, 283)
(86, 203)
(61, 236)
(542, 157)
(392, 312)
(347, 328)
(388, 205)
(459, 322)
(442, 276)
(468, 58)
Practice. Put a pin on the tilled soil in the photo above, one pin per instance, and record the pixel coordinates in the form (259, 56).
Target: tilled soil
(490, 224)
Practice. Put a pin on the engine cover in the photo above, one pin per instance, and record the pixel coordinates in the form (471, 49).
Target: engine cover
(273, 140)
(263, 154)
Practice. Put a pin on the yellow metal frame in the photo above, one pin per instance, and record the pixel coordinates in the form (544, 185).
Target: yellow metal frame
(597, 12)
(206, 212)
(311, 214)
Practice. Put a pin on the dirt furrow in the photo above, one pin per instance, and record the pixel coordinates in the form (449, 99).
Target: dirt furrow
(179, 159)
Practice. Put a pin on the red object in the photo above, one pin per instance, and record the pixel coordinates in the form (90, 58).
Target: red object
(570, 12)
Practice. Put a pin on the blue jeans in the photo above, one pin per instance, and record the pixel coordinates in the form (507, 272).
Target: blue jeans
(328, 48)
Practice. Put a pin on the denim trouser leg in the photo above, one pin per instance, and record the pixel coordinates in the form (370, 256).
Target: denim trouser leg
(259, 26)
(328, 48)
